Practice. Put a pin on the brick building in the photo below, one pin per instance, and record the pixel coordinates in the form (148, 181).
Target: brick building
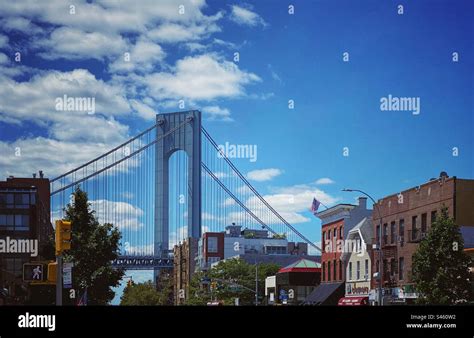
(24, 214)
(184, 266)
(406, 218)
(336, 222)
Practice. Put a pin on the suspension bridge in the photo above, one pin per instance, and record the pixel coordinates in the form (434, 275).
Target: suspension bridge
(168, 183)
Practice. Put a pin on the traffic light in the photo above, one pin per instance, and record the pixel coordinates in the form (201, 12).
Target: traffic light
(34, 272)
(52, 268)
(63, 236)
(213, 285)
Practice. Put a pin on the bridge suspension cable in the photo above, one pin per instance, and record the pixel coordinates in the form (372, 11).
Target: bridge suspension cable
(249, 185)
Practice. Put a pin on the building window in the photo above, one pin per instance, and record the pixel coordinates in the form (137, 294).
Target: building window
(366, 276)
(334, 232)
(340, 233)
(377, 234)
(401, 229)
(413, 227)
(433, 216)
(393, 267)
(358, 270)
(401, 266)
(350, 270)
(377, 263)
(324, 241)
(384, 238)
(392, 232)
(329, 272)
(212, 244)
(423, 222)
(324, 271)
(334, 269)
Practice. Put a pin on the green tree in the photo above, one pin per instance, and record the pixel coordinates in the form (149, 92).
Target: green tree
(440, 266)
(93, 248)
(234, 278)
(141, 294)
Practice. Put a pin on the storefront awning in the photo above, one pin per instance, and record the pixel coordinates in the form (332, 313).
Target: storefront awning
(320, 295)
(353, 301)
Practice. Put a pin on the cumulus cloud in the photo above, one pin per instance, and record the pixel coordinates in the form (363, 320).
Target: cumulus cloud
(243, 15)
(121, 214)
(324, 180)
(35, 99)
(23, 157)
(216, 113)
(202, 77)
(291, 202)
(3, 41)
(141, 57)
(261, 175)
(71, 43)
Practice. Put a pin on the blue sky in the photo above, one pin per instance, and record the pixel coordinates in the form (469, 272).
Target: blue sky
(282, 57)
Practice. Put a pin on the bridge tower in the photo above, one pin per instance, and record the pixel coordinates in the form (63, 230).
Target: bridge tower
(188, 139)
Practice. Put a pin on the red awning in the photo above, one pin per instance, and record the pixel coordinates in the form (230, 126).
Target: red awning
(353, 301)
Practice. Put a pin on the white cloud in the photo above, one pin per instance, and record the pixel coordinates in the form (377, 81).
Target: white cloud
(273, 74)
(3, 41)
(3, 59)
(203, 77)
(324, 180)
(143, 110)
(246, 17)
(142, 57)
(125, 16)
(263, 174)
(291, 202)
(173, 33)
(312, 250)
(20, 24)
(123, 215)
(52, 156)
(216, 113)
(70, 43)
(138, 250)
(34, 100)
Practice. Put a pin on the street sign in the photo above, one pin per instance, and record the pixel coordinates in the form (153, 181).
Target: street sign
(34, 272)
(67, 275)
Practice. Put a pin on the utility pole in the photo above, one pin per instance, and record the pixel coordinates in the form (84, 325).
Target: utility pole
(63, 243)
(59, 280)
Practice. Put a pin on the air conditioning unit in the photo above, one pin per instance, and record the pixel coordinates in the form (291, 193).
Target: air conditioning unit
(366, 277)
(424, 235)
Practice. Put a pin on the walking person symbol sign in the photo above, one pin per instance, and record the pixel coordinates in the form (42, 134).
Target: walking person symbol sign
(37, 273)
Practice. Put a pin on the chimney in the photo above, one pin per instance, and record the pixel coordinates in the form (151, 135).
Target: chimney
(41, 173)
(363, 202)
(443, 174)
(34, 175)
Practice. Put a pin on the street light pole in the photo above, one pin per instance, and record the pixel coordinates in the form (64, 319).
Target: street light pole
(379, 241)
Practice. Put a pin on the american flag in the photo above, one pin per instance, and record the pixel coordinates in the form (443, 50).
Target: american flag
(83, 300)
(315, 206)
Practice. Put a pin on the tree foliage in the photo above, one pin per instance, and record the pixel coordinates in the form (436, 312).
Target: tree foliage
(234, 278)
(440, 265)
(141, 294)
(93, 248)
